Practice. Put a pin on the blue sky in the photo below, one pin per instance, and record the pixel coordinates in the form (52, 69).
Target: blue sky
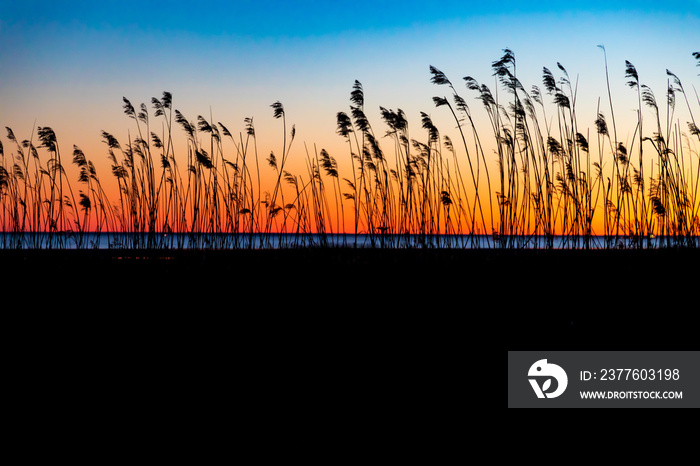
(256, 19)
(68, 64)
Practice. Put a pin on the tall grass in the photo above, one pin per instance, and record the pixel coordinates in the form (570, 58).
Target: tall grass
(537, 172)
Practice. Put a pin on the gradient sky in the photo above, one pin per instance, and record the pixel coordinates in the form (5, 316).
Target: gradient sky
(68, 64)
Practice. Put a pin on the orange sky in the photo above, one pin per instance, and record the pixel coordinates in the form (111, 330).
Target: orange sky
(69, 69)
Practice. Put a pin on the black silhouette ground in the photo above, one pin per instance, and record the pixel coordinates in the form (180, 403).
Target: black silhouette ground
(341, 333)
(519, 300)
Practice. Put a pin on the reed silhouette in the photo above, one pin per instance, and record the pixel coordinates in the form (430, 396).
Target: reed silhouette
(550, 176)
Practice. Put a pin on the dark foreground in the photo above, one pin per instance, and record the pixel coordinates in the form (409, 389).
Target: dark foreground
(342, 334)
(320, 298)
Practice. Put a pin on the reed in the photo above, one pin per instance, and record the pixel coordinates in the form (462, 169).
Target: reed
(550, 175)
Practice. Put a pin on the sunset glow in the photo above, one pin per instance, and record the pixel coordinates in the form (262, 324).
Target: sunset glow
(377, 118)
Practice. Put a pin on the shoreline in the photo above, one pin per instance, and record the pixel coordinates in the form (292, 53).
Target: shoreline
(241, 241)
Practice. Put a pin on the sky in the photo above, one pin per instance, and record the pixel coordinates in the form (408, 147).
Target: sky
(67, 65)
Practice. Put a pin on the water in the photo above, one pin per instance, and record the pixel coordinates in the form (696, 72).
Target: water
(292, 240)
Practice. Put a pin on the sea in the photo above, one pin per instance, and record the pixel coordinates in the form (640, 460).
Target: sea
(226, 241)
